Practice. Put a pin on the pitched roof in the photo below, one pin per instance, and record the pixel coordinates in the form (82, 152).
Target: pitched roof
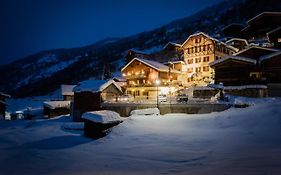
(138, 51)
(255, 47)
(172, 43)
(263, 14)
(266, 57)
(214, 39)
(95, 85)
(274, 30)
(5, 95)
(153, 64)
(231, 57)
(4, 103)
(57, 104)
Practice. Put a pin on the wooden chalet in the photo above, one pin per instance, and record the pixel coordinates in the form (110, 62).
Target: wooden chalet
(89, 94)
(3, 103)
(142, 75)
(271, 70)
(254, 65)
(260, 25)
(234, 70)
(170, 52)
(131, 54)
(199, 50)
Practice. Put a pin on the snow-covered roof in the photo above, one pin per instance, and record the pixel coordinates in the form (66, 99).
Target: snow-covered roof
(265, 57)
(138, 51)
(255, 47)
(104, 117)
(174, 62)
(232, 24)
(154, 64)
(237, 39)
(172, 43)
(5, 95)
(231, 57)
(95, 85)
(57, 104)
(214, 39)
(67, 89)
(262, 14)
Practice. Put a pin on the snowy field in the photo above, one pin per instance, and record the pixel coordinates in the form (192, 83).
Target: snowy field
(236, 141)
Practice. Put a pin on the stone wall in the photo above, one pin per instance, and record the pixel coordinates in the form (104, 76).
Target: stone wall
(125, 109)
(207, 93)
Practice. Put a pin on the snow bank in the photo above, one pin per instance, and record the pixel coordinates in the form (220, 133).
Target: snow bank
(148, 111)
(104, 117)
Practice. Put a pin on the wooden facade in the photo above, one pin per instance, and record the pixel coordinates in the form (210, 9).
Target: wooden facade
(252, 66)
(141, 76)
(271, 68)
(260, 25)
(234, 72)
(199, 50)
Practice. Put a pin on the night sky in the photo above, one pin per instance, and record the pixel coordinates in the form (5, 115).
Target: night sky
(29, 26)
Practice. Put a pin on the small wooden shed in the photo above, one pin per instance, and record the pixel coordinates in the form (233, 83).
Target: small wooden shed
(88, 96)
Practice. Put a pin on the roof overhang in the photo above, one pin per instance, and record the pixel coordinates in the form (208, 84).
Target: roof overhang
(235, 58)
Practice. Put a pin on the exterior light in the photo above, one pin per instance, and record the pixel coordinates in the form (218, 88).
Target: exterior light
(124, 74)
(157, 82)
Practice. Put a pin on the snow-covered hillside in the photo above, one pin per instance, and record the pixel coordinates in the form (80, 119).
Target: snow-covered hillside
(28, 76)
(236, 141)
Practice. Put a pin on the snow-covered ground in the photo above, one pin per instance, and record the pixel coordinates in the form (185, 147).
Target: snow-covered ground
(236, 141)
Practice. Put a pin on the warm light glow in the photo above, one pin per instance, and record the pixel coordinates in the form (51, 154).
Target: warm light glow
(124, 74)
(137, 73)
(128, 74)
(157, 82)
(164, 90)
(142, 72)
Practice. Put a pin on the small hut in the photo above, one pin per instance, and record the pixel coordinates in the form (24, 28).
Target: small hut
(88, 96)
(3, 103)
